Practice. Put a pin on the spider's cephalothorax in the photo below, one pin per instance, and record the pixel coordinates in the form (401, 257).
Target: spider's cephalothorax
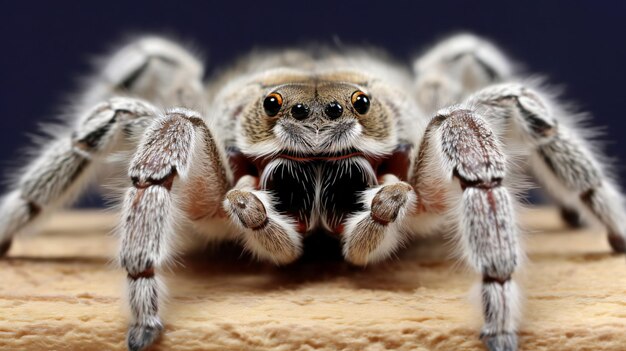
(343, 141)
(316, 141)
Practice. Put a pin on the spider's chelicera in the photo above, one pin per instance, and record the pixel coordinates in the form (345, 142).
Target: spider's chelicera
(342, 141)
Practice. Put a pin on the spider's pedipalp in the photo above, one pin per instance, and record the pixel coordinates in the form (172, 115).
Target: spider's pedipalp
(562, 160)
(459, 173)
(377, 232)
(67, 164)
(265, 233)
(179, 175)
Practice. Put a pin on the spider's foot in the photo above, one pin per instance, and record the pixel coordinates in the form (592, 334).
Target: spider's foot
(571, 217)
(500, 341)
(142, 336)
(617, 242)
(5, 246)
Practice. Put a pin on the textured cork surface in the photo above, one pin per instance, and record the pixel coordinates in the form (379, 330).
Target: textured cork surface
(59, 291)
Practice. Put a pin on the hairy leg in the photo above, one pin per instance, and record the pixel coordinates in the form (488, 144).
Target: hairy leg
(562, 159)
(456, 67)
(67, 163)
(150, 68)
(177, 158)
(458, 173)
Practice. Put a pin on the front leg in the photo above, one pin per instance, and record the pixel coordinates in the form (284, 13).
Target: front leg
(458, 174)
(375, 233)
(563, 160)
(178, 175)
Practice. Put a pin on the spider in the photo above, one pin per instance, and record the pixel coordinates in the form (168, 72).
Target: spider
(337, 140)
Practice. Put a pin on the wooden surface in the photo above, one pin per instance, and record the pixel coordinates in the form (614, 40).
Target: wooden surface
(59, 291)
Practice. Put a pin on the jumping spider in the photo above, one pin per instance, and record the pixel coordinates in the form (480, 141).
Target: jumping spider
(342, 141)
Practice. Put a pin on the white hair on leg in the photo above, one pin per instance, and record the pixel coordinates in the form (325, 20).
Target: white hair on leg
(377, 232)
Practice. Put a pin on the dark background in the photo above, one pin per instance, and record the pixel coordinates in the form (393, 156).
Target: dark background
(46, 46)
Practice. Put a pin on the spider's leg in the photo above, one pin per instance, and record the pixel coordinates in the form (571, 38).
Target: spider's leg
(67, 163)
(265, 233)
(179, 175)
(151, 68)
(456, 67)
(460, 164)
(562, 159)
(375, 233)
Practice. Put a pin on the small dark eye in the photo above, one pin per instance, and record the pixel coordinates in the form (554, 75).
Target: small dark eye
(300, 111)
(361, 102)
(272, 104)
(333, 110)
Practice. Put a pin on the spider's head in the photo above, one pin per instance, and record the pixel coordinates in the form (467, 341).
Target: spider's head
(316, 117)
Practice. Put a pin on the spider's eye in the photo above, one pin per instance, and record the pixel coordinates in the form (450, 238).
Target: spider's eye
(300, 111)
(361, 102)
(333, 110)
(272, 104)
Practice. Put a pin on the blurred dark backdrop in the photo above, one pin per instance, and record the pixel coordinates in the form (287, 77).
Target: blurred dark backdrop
(47, 45)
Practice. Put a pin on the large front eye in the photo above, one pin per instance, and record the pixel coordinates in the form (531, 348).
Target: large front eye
(361, 102)
(272, 104)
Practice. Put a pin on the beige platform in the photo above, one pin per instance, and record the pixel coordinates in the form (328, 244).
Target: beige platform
(58, 291)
